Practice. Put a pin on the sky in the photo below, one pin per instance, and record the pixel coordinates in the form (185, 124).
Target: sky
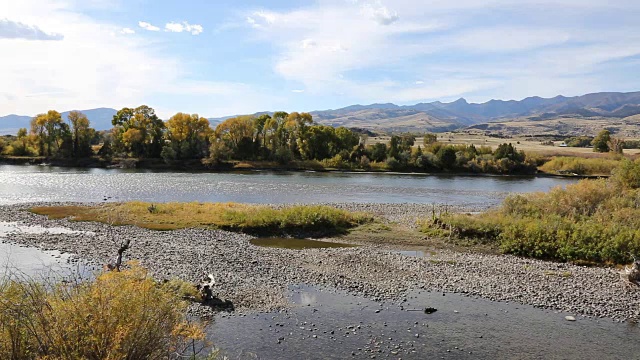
(225, 57)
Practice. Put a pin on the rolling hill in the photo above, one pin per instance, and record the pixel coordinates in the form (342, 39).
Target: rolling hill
(437, 116)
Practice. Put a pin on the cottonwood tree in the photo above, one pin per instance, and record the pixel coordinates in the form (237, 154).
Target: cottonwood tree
(46, 129)
(187, 137)
(237, 135)
(601, 142)
(82, 134)
(138, 131)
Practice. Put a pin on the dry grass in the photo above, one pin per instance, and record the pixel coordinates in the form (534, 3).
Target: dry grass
(228, 216)
(525, 144)
(580, 166)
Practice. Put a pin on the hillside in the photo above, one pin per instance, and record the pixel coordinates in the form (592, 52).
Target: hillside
(438, 117)
(627, 127)
(559, 114)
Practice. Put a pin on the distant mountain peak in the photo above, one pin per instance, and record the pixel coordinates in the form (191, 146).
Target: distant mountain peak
(433, 117)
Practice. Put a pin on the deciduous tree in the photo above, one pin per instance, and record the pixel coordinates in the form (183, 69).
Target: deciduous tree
(601, 142)
(138, 131)
(47, 130)
(81, 134)
(188, 136)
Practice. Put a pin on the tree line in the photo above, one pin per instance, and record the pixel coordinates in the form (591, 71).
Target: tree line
(280, 137)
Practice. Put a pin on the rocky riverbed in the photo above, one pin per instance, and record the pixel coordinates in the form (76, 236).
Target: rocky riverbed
(256, 278)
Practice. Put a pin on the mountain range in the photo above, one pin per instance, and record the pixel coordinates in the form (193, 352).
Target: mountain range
(100, 120)
(430, 117)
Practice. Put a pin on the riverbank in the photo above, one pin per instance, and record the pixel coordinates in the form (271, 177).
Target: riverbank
(256, 278)
(244, 166)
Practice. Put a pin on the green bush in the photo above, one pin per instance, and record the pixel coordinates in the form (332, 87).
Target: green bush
(594, 220)
(580, 166)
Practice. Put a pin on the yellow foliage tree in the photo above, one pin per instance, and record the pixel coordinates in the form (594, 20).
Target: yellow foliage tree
(45, 128)
(188, 135)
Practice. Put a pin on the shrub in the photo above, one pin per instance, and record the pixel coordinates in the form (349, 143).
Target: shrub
(580, 166)
(119, 315)
(593, 220)
(392, 164)
(627, 175)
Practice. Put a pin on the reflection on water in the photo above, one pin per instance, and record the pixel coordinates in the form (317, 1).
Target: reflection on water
(297, 244)
(32, 261)
(327, 324)
(42, 183)
(410, 253)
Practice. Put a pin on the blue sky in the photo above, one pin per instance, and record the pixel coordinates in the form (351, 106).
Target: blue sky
(228, 57)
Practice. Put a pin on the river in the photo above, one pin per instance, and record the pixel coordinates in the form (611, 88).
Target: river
(20, 184)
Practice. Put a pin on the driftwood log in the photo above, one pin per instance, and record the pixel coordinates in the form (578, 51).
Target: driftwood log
(631, 274)
(123, 247)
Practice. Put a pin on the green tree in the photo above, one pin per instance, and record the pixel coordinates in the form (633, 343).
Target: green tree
(446, 157)
(508, 151)
(319, 143)
(261, 129)
(346, 139)
(601, 142)
(81, 134)
(430, 139)
(394, 147)
(378, 152)
(296, 125)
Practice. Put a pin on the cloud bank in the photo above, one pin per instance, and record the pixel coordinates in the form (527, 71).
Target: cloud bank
(17, 30)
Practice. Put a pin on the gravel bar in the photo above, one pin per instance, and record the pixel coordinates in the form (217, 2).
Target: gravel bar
(256, 278)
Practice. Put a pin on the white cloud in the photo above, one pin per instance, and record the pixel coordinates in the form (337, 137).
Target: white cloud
(380, 14)
(17, 30)
(298, 91)
(147, 26)
(127, 31)
(77, 74)
(184, 26)
(445, 40)
(308, 43)
(261, 19)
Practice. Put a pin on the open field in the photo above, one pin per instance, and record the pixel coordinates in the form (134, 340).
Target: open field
(526, 144)
(626, 128)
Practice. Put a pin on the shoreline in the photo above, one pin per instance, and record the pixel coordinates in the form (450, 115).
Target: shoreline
(197, 167)
(256, 278)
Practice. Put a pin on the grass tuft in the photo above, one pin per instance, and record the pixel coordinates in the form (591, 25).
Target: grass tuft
(321, 220)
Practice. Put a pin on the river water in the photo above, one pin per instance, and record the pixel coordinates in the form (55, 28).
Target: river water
(19, 184)
(329, 324)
